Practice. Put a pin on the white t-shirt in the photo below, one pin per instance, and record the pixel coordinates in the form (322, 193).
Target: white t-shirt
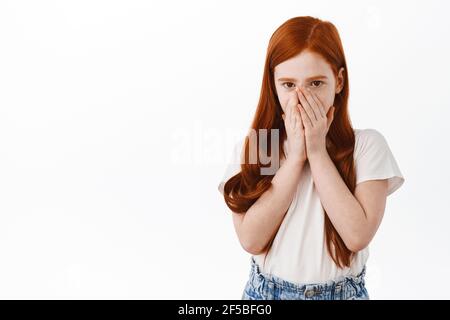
(299, 253)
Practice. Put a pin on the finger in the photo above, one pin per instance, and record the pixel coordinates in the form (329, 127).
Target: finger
(290, 117)
(319, 104)
(289, 104)
(295, 121)
(306, 106)
(330, 117)
(297, 115)
(300, 116)
(295, 108)
(306, 120)
(308, 95)
(293, 100)
(291, 113)
(295, 111)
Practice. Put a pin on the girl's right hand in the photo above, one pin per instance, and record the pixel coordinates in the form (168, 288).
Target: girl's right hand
(294, 129)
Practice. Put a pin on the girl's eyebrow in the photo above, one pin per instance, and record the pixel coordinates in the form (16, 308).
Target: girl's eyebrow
(310, 78)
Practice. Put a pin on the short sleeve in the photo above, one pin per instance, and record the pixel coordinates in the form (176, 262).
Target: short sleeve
(374, 159)
(233, 166)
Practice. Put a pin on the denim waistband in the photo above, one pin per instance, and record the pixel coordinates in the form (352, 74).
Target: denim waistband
(330, 287)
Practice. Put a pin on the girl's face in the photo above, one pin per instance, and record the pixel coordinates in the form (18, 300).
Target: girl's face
(307, 70)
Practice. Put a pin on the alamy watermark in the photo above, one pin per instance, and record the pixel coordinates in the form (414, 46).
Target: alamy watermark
(212, 146)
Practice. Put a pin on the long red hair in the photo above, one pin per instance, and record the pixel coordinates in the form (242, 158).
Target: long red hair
(295, 35)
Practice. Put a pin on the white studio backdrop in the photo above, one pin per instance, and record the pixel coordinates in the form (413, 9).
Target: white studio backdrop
(117, 119)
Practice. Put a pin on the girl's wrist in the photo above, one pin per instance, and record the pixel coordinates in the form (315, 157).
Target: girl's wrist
(296, 160)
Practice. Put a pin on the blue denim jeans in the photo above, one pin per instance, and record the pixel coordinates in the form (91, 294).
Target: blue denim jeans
(262, 286)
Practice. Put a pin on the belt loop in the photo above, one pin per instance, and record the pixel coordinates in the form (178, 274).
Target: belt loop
(255, 266)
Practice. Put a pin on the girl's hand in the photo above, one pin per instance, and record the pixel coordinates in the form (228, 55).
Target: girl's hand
(316, 121)
(294, 129)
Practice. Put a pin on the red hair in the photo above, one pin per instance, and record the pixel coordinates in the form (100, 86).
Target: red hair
(295, 35)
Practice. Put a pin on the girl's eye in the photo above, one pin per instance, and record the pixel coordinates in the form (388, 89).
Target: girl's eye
(289, 87)
(315, 81)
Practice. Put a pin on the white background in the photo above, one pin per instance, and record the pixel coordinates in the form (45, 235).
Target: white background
(117, 119)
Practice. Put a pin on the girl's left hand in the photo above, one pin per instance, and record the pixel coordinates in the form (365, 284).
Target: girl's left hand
(315, 120)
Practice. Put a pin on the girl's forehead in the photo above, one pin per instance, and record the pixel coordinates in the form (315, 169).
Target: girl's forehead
(303, 65)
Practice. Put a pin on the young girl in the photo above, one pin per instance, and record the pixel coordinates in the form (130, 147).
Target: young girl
(308, 223)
